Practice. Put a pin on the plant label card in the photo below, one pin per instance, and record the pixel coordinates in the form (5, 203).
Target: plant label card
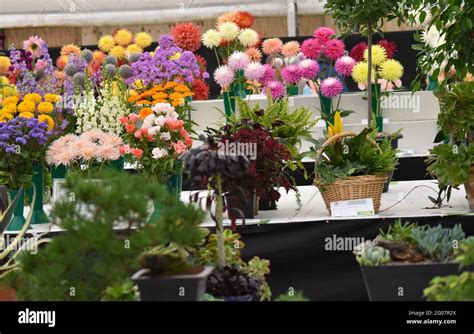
(353, 208)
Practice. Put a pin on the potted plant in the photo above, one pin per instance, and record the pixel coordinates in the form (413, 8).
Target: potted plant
(352, 166)
(206, 166)
(452, 161)
(398, 264)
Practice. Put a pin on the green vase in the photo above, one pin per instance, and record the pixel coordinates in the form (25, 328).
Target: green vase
(174, 186)
(58, 172)
(432, 83)
(117, 165)
(292, 90)
(376, 98)
(379, 123)
(18, 220)
(39, 216)
(229, 103)
(326, 109)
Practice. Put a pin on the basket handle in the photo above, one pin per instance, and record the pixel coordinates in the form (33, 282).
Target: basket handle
(341, 135)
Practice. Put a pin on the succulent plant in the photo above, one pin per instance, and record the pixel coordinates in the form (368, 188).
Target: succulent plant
(230, 281)
(437, 243)
(373, 256)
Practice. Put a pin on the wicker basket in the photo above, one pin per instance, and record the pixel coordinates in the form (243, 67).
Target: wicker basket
(353, 187)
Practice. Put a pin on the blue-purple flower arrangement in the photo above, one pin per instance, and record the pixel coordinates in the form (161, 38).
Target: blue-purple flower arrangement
(23, 142)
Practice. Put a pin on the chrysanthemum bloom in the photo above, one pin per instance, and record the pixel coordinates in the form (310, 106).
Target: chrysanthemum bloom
(98, 57)
(311, 48)
(331, 87)
(276, 89)
(268, 75)
(334, 49)
(254, 71)
(360, 72)
(34, 45)
(290, 49)
(34, 97)
(53, 98)
(4, 64)
(324, 34)
(248, 37)
(134, 49)
(357, 51)
(143, 39)
(187, 36)
(272, 46)
(228, 31)
(211, 39)
(309, 68)
(224, 75)
(254, 54)
(291, 74)
(390, 47)
(344, 65)
(123, 37)
(379, 55)
(106, 43)
(238, 60)
(391, 70)
(118, 52)
(45, 107)
(69, 49)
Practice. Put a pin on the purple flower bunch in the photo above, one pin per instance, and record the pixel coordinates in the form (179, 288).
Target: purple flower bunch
(168, 63)
(23, 133)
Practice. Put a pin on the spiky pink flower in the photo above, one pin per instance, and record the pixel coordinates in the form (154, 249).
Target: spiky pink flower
(224, 76)
(309, 68)
(324, 34)
(268, 75)
(254, 71)
(334, 49)
(344, 65)
(331, 87)
(291, 74)
(311, 48)
(276, 89)
(238, 60)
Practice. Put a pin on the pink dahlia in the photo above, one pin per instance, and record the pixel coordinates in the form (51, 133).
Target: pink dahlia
(272, 46)
(276, 89)
(334, 49)
(291, 74)
(344, 65)
(34, 44)
(331, 87)
(254, 71)
(311, 48)
(357, 51)
(309, 68)
(268, 75)
(224, 75)
(238, 60)
(324, 34)
(290, 49)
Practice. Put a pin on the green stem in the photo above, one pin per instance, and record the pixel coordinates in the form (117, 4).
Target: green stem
(217, 57)
(219, 224)
(369, 72)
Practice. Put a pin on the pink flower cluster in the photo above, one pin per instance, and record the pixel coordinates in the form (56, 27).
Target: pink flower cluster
(93, 145)
(322, 44)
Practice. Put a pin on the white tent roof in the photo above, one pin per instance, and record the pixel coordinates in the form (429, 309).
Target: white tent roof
(31, 13)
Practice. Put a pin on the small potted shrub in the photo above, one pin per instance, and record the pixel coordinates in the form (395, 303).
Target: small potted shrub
(399, 264)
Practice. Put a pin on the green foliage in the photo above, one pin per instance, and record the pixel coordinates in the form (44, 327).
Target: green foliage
(451, 164)
(297, 296)
(373, 256)
(400, 232)
(126, 291)
(165, 260)
(455, 287)
(437, 243)
(354, 157)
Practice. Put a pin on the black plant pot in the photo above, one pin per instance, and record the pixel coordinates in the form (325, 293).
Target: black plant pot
(239, 204)
(266, 205)
(403, 282)
(245, 298)
(172, 288)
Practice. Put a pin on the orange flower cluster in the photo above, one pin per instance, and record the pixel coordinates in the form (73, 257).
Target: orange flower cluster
(172, 92)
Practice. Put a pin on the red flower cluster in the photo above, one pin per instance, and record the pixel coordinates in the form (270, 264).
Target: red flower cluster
(187, 36)
(200, 89)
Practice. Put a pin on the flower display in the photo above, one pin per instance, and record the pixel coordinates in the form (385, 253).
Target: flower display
(187, 36)
(171, 92)
(275, 88)
(156, 141)
(344, 65)
(331, 87)
(224, 76)
(291, 74)
(122, 44)
(290, 49)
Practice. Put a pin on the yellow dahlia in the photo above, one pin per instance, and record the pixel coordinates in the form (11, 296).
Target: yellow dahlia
(118, 52)
(66, 50)
(134, 48)
(228, 31)
(4, 64)
(10, 100)
(34, 97)
(45, 107)
(26, 107)
(106, 43)
(123, 37)
(53, 98)
(360, 72)
(26, 115)
(143, 40)
(391, 70)
(248, 37)
(211, 39)
(379, 55)
(47, 119)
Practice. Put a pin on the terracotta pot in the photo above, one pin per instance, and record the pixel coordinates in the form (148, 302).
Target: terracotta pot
(469, 186)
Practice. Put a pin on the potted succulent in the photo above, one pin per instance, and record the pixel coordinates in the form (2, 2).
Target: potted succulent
(452, 161)
(398, 264)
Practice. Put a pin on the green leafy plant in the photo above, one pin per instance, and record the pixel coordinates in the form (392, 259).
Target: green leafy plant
(373, 256)
(400, 232)
(437, 243)
(455, 287)
(297, 296)
(126, 291)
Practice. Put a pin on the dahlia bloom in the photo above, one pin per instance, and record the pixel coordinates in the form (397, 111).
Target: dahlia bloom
(248, 37)
(187, 36)
(272, 46)
(391, 70)
(254, 54)
(311, 48)
(309, 68)
(268, 75)
(123, 37)
(224, 75)
(238, 60)
(379, 55)
(390, 47)
(291, 74)
(211, 39)
(324, 34)
(344, 65)
(334, 49)
(357, 51)
(276, 89)
(331, 87)
(254, 71)
(228, 31)
(290, 49)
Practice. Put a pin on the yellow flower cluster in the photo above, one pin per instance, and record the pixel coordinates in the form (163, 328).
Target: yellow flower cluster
(171, 92)
(122, 43)
(32, 105)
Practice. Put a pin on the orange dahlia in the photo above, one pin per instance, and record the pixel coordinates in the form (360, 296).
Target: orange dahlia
(187, 36)
(66, 50)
